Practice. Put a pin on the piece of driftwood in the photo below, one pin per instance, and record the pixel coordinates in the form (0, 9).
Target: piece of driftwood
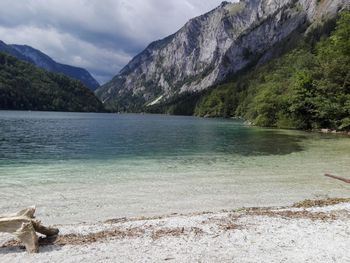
(24, 226)
(338, 178)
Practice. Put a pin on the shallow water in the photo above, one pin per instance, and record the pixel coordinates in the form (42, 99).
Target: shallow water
(88, 167)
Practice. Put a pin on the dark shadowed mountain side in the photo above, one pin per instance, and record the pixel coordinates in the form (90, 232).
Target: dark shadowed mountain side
(13, 52)
(170, 74)
(38, 58)
(24, 86)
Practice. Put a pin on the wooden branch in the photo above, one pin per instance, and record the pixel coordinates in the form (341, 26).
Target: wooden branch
(28, 237)
(338, 178)
(28, 212)
(24, 227)
(47, 231)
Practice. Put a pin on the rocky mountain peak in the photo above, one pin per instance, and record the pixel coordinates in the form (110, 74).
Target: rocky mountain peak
(211, 47)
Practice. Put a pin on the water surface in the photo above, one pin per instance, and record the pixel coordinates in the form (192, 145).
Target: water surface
(85, 167)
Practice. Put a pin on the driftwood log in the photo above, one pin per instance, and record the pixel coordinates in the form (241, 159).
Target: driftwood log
(24, 226)
(338, 178)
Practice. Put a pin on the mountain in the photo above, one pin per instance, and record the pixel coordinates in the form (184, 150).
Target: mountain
(38, 58)
(307, 87)
(24, 86)
(11, 51)
(210, 48)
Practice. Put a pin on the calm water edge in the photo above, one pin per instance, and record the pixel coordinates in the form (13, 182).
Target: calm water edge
(91, 167)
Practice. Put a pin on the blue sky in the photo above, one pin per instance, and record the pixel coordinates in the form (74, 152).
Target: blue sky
(99, 35)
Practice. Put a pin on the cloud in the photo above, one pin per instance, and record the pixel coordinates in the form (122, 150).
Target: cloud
(101, 36)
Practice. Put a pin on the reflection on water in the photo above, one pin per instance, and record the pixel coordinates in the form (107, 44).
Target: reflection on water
(25, 137)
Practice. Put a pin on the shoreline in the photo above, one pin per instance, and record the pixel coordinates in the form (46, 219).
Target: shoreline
(244, 235)
(244, 121)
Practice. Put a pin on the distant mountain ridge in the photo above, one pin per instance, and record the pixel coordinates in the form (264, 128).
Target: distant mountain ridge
(24, 86)
(210, 48)
(13, 52)
(38, 58)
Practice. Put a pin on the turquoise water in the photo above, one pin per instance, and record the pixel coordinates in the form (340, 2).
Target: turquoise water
(85, 167)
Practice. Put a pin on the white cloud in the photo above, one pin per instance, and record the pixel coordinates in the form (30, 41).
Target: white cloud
(100, 35)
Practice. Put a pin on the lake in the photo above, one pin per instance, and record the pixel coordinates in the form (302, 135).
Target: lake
(85, 167)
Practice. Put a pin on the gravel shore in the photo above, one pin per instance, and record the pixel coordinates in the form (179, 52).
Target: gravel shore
(311, 231)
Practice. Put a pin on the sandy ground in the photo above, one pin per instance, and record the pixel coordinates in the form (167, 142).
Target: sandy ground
(308, 232)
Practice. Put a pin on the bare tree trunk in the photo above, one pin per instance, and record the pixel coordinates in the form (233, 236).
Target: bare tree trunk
(338, 178)
(24, 227)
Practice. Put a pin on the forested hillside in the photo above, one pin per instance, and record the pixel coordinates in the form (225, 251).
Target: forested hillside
(307, 88)
(26, 87)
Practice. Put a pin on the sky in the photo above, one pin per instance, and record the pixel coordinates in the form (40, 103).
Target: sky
(99, 35)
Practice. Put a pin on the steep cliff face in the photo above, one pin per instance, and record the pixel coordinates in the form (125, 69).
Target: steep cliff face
(211, 47)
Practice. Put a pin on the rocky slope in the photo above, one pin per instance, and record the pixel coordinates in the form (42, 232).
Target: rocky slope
(38, 58)
(211, 47)
(306, 87)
